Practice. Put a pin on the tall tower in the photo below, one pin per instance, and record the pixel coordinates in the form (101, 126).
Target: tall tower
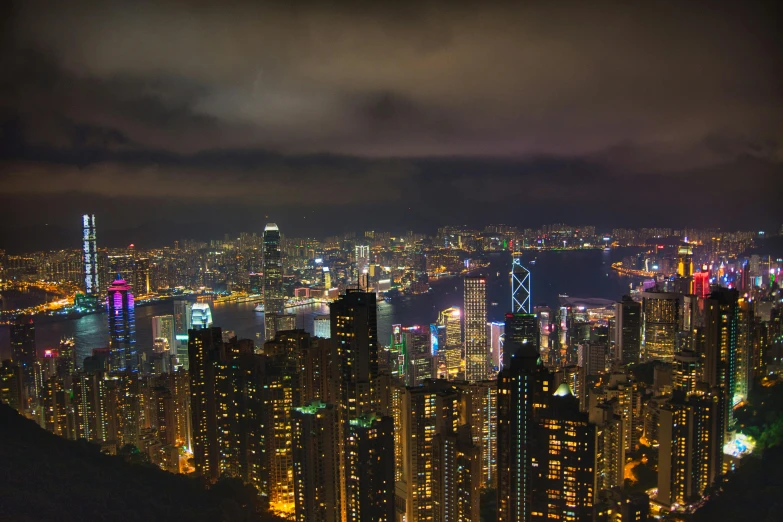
(274, 300)
(183, 309)
(520, 286)
(476, 349)
(661, 315)
(522, 328)
(90, 255)
(628, 328)
(122, 327)
(451, 320)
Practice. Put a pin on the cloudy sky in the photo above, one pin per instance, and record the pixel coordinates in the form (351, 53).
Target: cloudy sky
(333, 116)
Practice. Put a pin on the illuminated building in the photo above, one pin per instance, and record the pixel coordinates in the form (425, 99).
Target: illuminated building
(200, 316)
(546, 446)
(321, 326)
(90, 255)
(496, 337)
(451, 320)
(418, 355)
(11, 390)
(615, 505)
(163, 328)
(369, 463)
(284, 322)
(521, 328)
(121, 310)
(720, 351)
(22, 333)
(316, 463)
(362, 259)
(476, 355)
(479, 410)
(661, 319)
(204, 347)
(686, 371)
(701, 282)
(183, 310)
(628, 328)
(88, 401)
(743, 370)
(141, 276)
(610, 446)
(428, 410)
(274, 298)
(685, 261)
(456, 481)
(57, 409)
(520, 287)
(689, 455)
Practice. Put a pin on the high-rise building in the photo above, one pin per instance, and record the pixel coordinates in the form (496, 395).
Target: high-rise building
(520, 287)
(11, 390)
(121, 310)
(496, 336)
(451, 320)
(274, 298)
(610, 446)
(163, 328)
(417, 346)
(686, 372)
(316, 463)
(183, 310)
(90, 255)
(546, 446)
(141, 276)
(22, 333)
(661, 323)
(521, 328)
(628, 330)
(479, 410)
(457, 477)
(200, 316)
(362, 259)
(321, 326)
(685, 261)
(204, 347)
(476, 353)
(370, 469)
(701, 282)
(720, 351)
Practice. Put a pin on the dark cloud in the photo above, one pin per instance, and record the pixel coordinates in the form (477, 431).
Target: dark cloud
(513, 112)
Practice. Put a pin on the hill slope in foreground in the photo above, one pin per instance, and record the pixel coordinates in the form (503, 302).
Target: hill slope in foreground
(45, 477)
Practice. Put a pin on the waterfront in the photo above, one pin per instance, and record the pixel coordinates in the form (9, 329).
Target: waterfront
(578, 273)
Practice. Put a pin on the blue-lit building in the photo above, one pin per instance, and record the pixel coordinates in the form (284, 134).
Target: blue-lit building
(122, 327)
(200, 316)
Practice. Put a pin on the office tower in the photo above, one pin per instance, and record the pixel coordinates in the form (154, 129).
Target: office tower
(701, 282)
(689, 455)
(274, 298)
(456, 481)
(479, 410)
(610, 446)
(495, 334)
(685, 261)
(686, 372)
(90, 407)
(200, 316)
(122, 327)
(183, 310)
(141, 276)
(11, 390)
(362, 259)
(327, 278)
(592, 363)
(22, 333)
(90, 255)
(204, 347)
(520, 287)
(370, 469)
(316, 463)
(321, 326)
(451, 320)
(521, 328)
(628, 330)
(546, 446)
(661, 320)
(163, 328)
(476, 355)
(720, 351)
(284, 322)
(417, 347)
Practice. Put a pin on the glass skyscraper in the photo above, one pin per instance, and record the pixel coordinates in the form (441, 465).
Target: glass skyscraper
(476, 353)
(274, 300)
(122, 327)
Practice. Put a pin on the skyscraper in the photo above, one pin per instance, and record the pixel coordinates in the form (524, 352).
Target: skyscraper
(90, 255)
(204, 347)
(182, 316)
(22, 332)
(200, 316)
(163, 328)
(661, 316)
(122, 327)
(521, 328)
(520, 286)
(274, 299)
(370, 469)
(321, 326)
(362, 258)
(720, 351)
(628, 330)
(451, 320)
(476, 349)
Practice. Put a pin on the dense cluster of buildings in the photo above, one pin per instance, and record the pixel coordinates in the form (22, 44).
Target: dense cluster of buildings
(546, 408)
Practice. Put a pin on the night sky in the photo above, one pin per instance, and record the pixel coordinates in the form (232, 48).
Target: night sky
(192, 119)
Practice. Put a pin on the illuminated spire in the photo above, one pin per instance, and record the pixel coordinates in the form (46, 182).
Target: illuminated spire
(520, 286)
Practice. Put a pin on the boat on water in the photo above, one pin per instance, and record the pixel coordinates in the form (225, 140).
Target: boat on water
(259, 307)
(532, 261)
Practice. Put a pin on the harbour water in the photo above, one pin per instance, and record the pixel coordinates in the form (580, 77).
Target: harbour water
(578, 273)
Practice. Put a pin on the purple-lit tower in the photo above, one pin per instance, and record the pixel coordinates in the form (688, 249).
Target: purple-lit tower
(122, 327)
